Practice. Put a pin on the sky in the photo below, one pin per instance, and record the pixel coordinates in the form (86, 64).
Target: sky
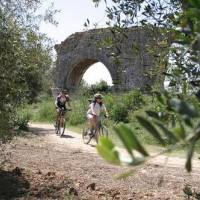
(71, 18)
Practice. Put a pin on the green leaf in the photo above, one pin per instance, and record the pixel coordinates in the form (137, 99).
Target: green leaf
(188, 121)
(137, 161)
(125, 140)
(129, 139)
(151, 129)
(160, 98)
(188, 164)
(173, 121)
(169, 134)
(153, 114)
(183, 108)
(107, 150)
(180, 131)
(195, 3)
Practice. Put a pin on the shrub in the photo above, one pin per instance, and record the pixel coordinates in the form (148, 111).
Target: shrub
(5, 126)
(78, 113)
(119, 112)
(110, 100)
(101, 86)
(121, 104)
(133, 100)
(22, 120)
(46, 112)
(76, 117)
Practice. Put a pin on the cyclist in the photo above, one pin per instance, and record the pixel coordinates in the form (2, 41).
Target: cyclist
(61, 100)
(95, 109)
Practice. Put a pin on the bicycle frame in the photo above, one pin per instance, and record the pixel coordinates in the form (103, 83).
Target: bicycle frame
(99, 130)
(61, 123)
(62, 115)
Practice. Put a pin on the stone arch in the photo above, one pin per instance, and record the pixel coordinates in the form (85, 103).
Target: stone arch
(70, 66)
(81, 50)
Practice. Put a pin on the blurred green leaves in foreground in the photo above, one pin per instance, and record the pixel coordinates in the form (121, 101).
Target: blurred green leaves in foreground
(180, 128)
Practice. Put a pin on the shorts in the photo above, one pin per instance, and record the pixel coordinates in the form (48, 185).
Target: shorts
(58, 109)
(90, 116)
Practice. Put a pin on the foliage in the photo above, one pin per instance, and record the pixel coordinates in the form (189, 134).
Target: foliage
(133, 100)
(178, 20)
(118, 104)
(123, 104)
(101, 86)
(176, 137)
(181, 19)
(119, 112)
(25, 56)
(21, 120)
(78, 113)
(44, 110)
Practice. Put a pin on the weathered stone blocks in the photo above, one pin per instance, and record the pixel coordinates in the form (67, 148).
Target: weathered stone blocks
(80, 50)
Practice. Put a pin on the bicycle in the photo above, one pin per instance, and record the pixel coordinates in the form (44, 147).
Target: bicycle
(100, 130)
(61, 123)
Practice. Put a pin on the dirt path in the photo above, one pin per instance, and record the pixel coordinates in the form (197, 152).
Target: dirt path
(77, 168)
(74, 141)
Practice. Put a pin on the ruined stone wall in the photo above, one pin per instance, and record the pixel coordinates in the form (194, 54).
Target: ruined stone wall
(80, 50)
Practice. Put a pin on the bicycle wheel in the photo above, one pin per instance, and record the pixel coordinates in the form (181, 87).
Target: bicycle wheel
(86, 135)
(103, 131)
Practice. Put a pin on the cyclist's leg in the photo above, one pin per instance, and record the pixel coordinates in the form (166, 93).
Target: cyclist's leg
(62, 125)
(61, 116)
(98, 121)
(64, 119)
(58, 122)
(97, 131)
(57, 116)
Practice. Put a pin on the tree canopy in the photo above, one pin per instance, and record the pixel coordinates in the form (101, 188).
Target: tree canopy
(25, 55)
(182, 20)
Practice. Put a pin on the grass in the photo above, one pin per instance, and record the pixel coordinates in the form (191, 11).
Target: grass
(43, 111)
(77, 129)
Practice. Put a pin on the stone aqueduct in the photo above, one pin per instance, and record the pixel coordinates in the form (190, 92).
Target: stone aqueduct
(80, 50)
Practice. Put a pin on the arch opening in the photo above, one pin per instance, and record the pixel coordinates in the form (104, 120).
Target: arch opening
(96, 73)
(90, 71)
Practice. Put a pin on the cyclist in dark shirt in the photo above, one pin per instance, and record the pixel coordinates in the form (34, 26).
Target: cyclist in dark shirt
(62, 100)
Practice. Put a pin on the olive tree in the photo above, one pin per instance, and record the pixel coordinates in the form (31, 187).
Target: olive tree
(180, 20)
(25, 56)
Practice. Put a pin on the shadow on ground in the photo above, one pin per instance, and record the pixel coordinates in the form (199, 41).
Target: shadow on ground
(22, 184)
(67, 136)
(35, 131)
(12, 184)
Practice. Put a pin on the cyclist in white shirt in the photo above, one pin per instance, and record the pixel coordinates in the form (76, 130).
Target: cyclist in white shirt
(95, 109)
